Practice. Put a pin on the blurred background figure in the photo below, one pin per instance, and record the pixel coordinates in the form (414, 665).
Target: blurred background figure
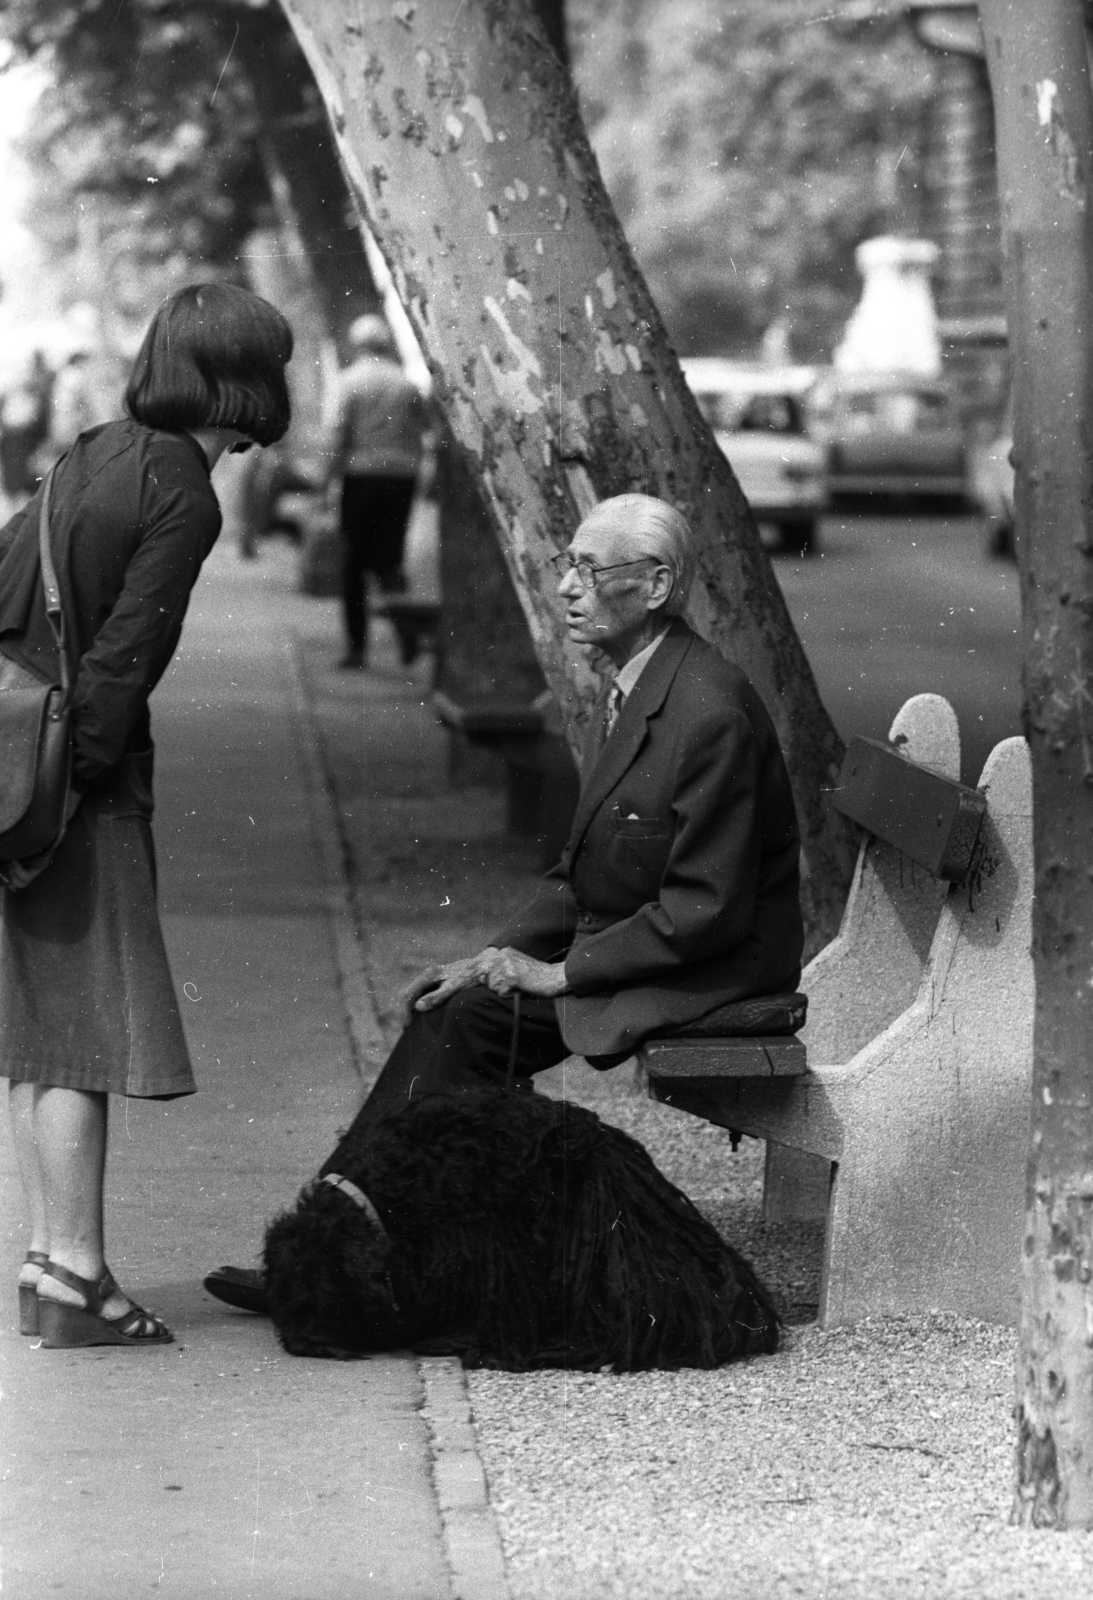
(24, 424)
(377, 445)
(74, 402)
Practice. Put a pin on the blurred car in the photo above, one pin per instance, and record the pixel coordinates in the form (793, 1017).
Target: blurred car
(758, 415)
(890, 434)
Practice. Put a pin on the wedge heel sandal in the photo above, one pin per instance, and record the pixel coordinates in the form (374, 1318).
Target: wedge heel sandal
(69, 1327)
(28, 1296)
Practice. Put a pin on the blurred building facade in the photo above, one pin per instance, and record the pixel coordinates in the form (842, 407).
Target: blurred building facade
(960, 207)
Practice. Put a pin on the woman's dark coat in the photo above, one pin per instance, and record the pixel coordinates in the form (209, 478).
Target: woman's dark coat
(134, 516)
(86, 997)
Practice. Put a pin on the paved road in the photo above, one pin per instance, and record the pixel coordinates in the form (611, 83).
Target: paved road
(898, 606)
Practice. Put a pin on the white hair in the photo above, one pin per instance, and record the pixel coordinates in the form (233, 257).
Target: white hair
(652, 527)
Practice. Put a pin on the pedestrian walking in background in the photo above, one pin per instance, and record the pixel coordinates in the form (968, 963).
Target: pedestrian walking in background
(376, 447)
(76, 406)
(24, 424)
(87, 1006)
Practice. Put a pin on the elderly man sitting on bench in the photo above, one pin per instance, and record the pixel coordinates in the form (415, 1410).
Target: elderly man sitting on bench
(677, 891)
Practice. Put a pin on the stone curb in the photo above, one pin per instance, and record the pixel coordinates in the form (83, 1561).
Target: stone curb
(472, 1541)
(471, 1537)
(347, 925)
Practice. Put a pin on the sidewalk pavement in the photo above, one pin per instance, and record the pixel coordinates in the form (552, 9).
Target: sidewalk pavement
(219, 1464)
(869, 1463)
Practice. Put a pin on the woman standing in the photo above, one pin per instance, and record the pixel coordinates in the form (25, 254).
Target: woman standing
(87, 1006)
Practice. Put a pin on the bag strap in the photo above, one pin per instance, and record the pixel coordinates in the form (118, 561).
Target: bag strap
(54, 610)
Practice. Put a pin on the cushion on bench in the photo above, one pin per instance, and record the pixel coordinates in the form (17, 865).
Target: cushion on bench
(763, 1014)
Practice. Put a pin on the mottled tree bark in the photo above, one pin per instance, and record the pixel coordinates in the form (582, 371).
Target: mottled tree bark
(1040, 79)
(298, 135)
(462, 138)
(486, 649)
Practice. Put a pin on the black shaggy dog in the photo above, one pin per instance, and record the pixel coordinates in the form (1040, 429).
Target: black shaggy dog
(516, 1231)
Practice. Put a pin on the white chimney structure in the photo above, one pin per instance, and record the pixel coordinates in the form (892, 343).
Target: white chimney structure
(894, 326)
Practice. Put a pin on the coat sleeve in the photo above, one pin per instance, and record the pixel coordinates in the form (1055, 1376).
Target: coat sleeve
(545, 926)
(710, 881)
(134, 646)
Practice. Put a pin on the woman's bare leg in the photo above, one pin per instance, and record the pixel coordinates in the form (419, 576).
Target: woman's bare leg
(70, 1125)
(22, 1102)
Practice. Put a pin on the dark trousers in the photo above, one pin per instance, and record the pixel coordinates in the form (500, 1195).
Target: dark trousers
(465, 1045)
(375, 512)
(461, 1047)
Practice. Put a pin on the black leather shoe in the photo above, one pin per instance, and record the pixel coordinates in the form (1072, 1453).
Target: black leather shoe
(239, 1286)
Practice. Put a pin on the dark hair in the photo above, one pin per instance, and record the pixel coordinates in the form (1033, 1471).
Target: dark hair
(214, 357)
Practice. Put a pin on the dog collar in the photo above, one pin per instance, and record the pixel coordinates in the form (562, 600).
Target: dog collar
(358, 1196)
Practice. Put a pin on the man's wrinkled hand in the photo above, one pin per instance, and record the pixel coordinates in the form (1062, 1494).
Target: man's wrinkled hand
(438, 983)
(512, 969)
(500, 970)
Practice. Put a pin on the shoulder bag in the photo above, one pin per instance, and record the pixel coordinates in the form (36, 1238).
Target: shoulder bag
(35, 737)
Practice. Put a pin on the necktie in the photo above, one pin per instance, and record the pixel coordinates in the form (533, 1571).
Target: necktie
(615, 699)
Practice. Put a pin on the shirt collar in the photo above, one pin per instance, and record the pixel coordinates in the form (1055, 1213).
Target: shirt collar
(628, 675)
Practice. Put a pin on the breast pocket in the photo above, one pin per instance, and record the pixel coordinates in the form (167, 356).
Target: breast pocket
(635, 827)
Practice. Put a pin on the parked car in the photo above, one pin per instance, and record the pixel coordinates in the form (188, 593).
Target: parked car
(890, 434)
(758, 415)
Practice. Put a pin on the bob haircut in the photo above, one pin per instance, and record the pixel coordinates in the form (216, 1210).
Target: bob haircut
(214, 356)
(651, 527)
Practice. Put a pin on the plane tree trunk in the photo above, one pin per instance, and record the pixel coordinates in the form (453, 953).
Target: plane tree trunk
(298, 137)
(1037, 59)
(487, 649)
(462, 139)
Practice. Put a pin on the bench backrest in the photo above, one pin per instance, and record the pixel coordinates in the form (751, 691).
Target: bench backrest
(928, 1206)
(867, 976)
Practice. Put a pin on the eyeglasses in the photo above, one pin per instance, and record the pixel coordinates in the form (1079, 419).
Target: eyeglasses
(587, 571)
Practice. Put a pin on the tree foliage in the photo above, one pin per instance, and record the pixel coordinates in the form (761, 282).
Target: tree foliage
(147, 112)
(176, 121)
(749, 148)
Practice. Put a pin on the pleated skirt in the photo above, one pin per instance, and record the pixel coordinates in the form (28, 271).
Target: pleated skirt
(86, 996)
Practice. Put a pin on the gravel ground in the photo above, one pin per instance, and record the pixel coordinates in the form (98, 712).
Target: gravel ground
(874, 1461)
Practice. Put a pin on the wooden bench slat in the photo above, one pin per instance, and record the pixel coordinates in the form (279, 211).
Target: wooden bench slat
(761, 1056)
(491, 718)
(929, 818)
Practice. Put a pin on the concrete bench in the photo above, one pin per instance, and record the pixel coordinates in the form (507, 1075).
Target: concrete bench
(912, 1106)
(541, 780)
(414, 615)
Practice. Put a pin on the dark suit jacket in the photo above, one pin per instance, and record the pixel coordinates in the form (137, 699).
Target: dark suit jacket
(678, 888)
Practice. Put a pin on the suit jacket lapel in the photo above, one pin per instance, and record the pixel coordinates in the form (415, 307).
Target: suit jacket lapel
(628, 734)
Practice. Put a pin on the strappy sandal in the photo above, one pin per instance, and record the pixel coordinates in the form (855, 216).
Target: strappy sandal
(67, 1327)
(28, 1294)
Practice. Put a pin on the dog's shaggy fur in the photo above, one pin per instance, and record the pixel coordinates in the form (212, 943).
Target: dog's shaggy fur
(520, 1232)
